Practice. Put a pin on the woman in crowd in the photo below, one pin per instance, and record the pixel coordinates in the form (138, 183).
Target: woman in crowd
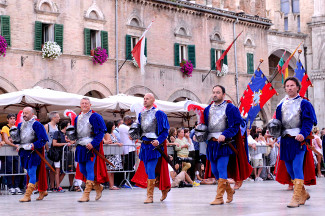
(116, 160)
(317, 143)
(199, 176)
(182, 146)
(171, 136)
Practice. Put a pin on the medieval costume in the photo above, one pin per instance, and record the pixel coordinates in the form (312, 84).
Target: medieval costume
(154, 126)
(228, 158)
(33, 132)
(90, 128)
(297, 116)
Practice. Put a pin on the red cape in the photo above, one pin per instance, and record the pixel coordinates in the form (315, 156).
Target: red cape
(140, 177)
(100, 169)
(42, 177)
(238, 167)
(283, 177)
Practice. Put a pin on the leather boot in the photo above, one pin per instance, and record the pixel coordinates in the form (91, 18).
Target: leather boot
(220, 192)
(230, 192)
(98, 188)
(238, 184)
(164, 194)
(85, 195)
(41, 194)
(297, 192)
(28, 193)
(150, 189)
(157, 181)
(304, 196)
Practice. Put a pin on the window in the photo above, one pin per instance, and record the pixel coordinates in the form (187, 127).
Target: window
(48, 32)
(285, 6)
(298, 24)
(250, 63)
(215, 55)
(295, 6)
(95, 38)
(286, 28)
(130, 42)
(5, 28)
(186, 52)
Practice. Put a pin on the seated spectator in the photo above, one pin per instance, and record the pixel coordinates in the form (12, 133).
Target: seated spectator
(182, 146)
(171, 136)
(199, 176)
(177, 179)
(317, 143)
(116, 160)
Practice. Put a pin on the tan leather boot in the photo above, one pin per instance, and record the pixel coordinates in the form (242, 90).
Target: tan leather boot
(28, 193)
(85, 195)
(297, 192)
(230, 193)
(164, 194)
(304, 196)
(157, 181)
(98, 188)
(150, 189)
(220, 192)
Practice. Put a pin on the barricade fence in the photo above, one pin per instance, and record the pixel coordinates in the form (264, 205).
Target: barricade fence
(10, 162)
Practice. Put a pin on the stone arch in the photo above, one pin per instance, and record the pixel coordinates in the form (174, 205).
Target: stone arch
(134, 20)
(95, 86)
(182, 30)
(51, 84)
(216, 35)
(95, 94)
(44, 5)
(94, 9)
(7, 86)
(184, 93)
(140, 90)
(249, 42)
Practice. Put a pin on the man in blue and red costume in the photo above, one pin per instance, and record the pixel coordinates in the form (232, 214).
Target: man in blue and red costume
(32, 137)
(154, 131)
(90, 129)
(297, 116)
(223, 121)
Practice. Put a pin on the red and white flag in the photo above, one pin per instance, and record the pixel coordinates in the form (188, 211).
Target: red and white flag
(138, 50)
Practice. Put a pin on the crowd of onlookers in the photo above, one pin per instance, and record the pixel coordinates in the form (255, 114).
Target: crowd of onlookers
(186, 153)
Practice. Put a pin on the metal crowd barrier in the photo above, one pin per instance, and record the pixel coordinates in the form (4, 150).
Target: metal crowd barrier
(8, 155)
(268, 162)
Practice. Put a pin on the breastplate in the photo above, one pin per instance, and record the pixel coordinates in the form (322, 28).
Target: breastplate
(27, 134)
(84, 128)
(291, 112)
(217, 120)
(149, 123)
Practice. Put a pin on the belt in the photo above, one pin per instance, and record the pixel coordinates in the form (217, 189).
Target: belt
(214, 139)
(146, 142)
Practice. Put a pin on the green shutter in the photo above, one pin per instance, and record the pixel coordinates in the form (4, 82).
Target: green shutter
(191, 54)
(225, 60)
(128, 49)
(250, 63)
(104, 40)
(38, 36)
(145, 48)
(58, 35)
(5, 28)
(176, 54)
(87, 41)
(213, 59)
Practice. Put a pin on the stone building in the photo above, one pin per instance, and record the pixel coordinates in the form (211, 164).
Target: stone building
(195, 30)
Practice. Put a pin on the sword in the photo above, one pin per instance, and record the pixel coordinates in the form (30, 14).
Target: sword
(43, 159)
(102, 157)
(229, 142)
(158, 148)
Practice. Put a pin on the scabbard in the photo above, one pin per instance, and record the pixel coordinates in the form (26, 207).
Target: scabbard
(158, 148)
(43, 159)
(102, 157)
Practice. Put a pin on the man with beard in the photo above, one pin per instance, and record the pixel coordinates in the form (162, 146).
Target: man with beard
(32, 137)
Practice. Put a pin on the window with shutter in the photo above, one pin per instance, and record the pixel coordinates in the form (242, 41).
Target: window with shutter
(128, 48)
(145, 48)
(5, 28)
(225, 59)
(104, 40)
(87, 41)
(38, 36)
(250, 63)
(58, 35)
(191, 54)
(213, 58)
(176, 54)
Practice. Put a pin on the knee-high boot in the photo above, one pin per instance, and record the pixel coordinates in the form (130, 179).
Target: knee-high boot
(220, 192)
(150, 189)
(98, 188)
(230, 193)
(304, 196)
(28, 193)
(41, 194)
(297, 192)
(85, 195)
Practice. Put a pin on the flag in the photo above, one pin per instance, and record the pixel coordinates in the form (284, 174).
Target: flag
(219, 63)
(258, 92)
(281, 62)
(284, 70)
(301, 75)
(138, 50)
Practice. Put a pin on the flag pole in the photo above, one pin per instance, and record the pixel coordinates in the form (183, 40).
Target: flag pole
(124, 62)
(274, 74)
(203, 77)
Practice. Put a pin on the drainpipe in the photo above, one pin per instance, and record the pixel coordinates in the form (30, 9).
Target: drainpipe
(116, 48)
(236, 76)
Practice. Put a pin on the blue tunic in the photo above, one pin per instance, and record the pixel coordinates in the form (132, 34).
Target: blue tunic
(146, 152)
(99, 130)
(289, 146)
(29, 158)
(215, 149)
